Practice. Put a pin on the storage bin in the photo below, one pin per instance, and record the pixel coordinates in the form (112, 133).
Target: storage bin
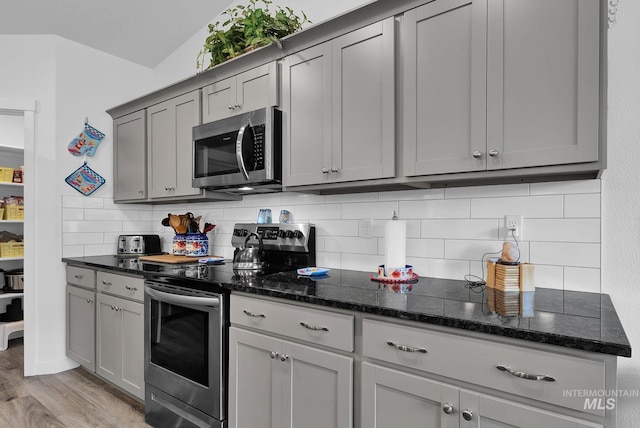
(6, 174)
(11, 249)
(13, 213)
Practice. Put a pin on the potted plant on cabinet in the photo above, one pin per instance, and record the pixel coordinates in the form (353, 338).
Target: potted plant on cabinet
(246, 28)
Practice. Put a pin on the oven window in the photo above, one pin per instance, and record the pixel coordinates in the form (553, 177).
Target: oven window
(179, 340)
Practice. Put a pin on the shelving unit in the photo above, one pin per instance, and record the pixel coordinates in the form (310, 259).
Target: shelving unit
(12, 157)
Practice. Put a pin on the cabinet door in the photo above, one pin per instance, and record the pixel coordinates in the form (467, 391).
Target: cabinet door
(306, 103)
(219, 100)
(483, 411)
(108, 338)
(255, 388)
(130, 157)
(81, 322)
(132, 371)
(444, 109)
(543, 82)
(170, 126)
(317, 388)
(391, 398)
(363, 107)
(257, 88)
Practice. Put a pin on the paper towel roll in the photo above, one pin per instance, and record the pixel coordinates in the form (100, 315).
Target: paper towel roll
(395, 246)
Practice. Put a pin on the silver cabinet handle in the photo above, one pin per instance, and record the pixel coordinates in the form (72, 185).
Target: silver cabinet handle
(477, 154)
(325, 170)
(284, 357)
(237, 106)
(273, 355)
(106, 283)
(78, 276)
(524, 375)
(130, 288)
(405, 348)
(253, 314)
(230, 107)
(141, 191)
(493, 153)
(166, 188)
(447, 408)
(334, 169)
(114, 308)
(313, 327)
(89, 301)
(467, 414)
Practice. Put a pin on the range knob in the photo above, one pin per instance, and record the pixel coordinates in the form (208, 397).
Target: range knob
(289, 233)
(282, 234)
(243, 232)
(298, 234)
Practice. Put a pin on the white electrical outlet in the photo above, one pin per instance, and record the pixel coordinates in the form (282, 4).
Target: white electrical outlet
(366, 224)
(513, 224)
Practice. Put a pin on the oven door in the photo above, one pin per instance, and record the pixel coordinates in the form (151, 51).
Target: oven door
(185, 347)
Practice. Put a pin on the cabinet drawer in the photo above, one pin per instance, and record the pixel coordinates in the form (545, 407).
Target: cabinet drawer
(121, 285)
(81, 277)
(475, 361)
(319, 327)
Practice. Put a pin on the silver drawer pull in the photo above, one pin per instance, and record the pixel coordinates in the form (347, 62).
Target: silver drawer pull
(313, 327)
(106, 283)
(130, 288)
(524, 375)
(254, 315)
(405, 348)
(78, 276)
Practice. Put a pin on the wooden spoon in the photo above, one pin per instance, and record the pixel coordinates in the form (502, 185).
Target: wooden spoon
(174, 222)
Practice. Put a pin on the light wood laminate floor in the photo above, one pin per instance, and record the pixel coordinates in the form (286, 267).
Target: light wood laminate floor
(74, 398)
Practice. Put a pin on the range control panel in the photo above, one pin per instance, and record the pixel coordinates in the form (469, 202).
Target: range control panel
(275, 236)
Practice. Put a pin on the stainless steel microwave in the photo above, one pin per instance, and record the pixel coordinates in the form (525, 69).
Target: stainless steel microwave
(239, 153)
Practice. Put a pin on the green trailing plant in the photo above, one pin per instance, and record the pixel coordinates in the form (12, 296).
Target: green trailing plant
(246, 28)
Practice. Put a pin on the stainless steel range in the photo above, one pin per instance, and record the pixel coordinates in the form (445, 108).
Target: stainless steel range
(186, 328)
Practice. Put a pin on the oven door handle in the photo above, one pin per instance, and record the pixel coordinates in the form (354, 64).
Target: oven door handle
(239, 157)
(180, 299)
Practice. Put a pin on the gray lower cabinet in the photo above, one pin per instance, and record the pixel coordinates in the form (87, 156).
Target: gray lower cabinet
(81, 322)
(339, 103)
(130, 157)
(277, 383)
(390, 396)
(119, 343)
(492, 85)
(250, 90)
(169, 133)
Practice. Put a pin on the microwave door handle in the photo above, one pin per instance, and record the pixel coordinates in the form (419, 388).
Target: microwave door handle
(180, 299)
(239, 157)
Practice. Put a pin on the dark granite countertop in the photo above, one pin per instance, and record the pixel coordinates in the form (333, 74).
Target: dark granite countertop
(585, 321)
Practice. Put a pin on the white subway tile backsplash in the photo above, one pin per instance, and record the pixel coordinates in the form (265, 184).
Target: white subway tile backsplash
(453, 208)
(448, 230)
(565, 254)
(562, 230)
(565, 187)
(527, 206)
(502, 190)
(581, 206)
(582, 279)
(412, 195)
(429, 248)
(73, 214)
(460, 229)
(318, 212)
(374, 210)
(342, 244)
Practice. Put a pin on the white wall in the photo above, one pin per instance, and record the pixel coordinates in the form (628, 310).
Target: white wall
(620, 200)
(69, 81)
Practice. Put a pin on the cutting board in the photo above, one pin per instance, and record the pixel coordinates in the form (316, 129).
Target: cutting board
(170, 258)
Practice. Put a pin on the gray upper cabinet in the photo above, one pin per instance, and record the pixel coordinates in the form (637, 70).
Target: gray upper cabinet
(542, 82)
(339, 104)
(247, 91)
(491, 85)
(130, 157)
(444, 110)
(169, 130)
